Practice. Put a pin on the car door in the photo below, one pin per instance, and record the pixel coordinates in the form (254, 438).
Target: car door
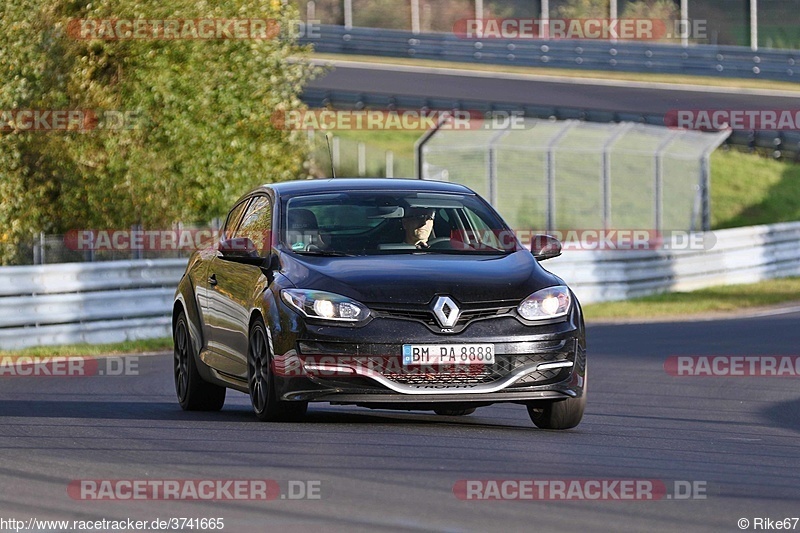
(207, 294)
(234, 285)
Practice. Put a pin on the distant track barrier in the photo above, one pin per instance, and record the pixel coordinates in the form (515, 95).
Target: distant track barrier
(620, 56)
(588, 55)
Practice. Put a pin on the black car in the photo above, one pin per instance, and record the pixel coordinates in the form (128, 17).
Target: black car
(383, 293)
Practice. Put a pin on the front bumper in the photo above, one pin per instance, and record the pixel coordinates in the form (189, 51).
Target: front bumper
(364, 365)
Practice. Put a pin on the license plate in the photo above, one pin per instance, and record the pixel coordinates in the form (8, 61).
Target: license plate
(448, 354)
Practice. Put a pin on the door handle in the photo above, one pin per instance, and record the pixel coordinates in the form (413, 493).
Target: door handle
(212, 279)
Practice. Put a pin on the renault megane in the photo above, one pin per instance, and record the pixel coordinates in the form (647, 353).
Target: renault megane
(383, 293)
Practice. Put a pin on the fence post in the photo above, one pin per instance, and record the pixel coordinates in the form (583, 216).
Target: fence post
(684, 23)
(620, 130)
(705, 191)
(659, 177)
(419, 146)
(550, 168)
(479, 16)
(612, 14)
(337, 156)
(88, 254)
(37, 252)
(348, 14)
(491, 165)
(362, 159)
(136, 252)
(545, 19)
(389, 164)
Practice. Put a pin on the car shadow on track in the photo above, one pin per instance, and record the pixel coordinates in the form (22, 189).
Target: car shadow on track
(784, 414)
(106, 409)
(169, 411)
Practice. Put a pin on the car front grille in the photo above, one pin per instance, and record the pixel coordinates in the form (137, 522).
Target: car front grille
(469, 313)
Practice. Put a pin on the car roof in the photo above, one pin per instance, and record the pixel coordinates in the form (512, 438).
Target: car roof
(291, 188)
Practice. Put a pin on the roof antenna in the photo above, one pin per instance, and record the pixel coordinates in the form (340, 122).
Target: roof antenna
(330, 153)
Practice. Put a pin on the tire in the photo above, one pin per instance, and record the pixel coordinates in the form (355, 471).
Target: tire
(261, 381)
(194, 394)
(454, 412)
(559, 414)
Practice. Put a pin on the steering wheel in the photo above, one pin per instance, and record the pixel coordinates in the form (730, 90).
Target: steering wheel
(439, 243)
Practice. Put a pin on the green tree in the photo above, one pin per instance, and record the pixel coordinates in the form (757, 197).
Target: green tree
(584, 9)
(200, 132)
(664, 10)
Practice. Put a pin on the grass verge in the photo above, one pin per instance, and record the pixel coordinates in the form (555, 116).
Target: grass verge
(723, 299)
(749, 189)
(91, 350)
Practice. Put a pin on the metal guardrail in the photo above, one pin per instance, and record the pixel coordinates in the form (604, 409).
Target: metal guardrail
(72, 303)
(121, 300)
(627, 56)
(738, 255)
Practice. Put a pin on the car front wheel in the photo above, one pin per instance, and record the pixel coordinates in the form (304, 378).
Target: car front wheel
(261, 382)
(560, 414)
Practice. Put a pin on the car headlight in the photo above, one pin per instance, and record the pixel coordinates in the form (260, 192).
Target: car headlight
(552, 302)
(325, 305)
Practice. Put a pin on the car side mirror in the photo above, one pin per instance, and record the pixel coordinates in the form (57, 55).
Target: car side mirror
(240, 250)
(545, 247)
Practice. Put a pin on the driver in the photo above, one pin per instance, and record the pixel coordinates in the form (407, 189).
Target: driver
(417, 225)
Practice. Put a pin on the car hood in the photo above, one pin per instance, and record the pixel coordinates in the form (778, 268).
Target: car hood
(417, 278)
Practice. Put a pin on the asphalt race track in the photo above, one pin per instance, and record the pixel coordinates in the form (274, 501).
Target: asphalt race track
(606, 96)
(735, 438)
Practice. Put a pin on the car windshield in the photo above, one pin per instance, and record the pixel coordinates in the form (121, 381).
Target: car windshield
(363, 223)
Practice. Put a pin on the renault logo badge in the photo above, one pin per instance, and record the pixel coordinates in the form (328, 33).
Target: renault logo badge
(446, 311)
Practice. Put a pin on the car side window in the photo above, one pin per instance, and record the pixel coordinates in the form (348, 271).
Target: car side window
(481, 231)
(257, 223)
(233, 219)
